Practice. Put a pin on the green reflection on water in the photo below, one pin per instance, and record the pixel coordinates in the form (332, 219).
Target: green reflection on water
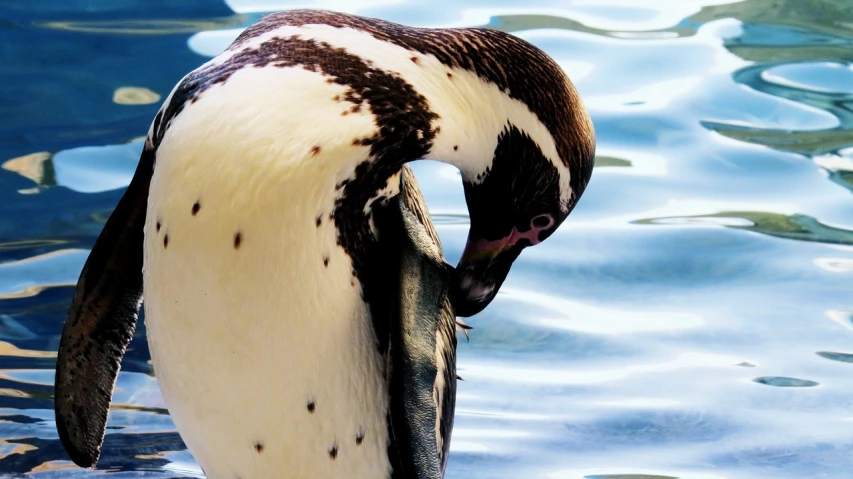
(840, 357)
(794, 227)
(804, 142)
(146, 27)
(601, 161)
(833, 17)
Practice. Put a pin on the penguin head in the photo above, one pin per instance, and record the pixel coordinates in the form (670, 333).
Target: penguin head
(519, 201)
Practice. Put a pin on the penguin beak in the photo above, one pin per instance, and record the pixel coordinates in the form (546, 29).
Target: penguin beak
(480, 273)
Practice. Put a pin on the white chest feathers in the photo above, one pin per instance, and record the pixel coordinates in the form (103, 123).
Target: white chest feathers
(262, 345)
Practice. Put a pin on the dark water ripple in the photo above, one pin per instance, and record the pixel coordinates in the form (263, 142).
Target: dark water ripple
(782, 382)
(692, 319)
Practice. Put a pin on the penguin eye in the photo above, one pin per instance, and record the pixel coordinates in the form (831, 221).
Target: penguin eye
(542, 221)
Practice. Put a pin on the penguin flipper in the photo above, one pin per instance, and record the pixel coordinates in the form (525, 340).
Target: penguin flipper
(424, 346)
(101, 322)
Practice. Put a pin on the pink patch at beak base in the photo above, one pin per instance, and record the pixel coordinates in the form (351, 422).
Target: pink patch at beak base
(478, 249)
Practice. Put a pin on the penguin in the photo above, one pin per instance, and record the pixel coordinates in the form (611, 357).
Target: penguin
(300, 316)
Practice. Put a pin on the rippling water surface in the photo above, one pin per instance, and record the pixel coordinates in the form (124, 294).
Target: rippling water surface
(693, 318)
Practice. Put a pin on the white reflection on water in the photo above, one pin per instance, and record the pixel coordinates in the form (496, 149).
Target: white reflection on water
(29, 276)
(822, 77)
(619, 473)
(92, 169)
(575, 316)
(543, 374)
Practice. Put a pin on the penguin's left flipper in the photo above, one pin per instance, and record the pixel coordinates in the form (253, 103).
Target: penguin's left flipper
(101, 322)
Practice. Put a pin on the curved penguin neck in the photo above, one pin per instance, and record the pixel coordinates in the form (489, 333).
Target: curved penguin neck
(419, 106)
(423, 107)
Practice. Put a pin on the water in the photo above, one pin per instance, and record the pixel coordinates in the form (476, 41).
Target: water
(692, 319)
